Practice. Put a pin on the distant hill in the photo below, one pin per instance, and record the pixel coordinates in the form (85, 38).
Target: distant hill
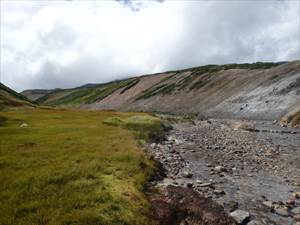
(249, 90)
(9, 98)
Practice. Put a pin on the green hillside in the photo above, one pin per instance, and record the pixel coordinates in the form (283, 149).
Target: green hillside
(9, 98)
(197, 78)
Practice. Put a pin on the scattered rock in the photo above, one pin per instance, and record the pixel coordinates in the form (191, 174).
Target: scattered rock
(219, 192)
(153, 145)
(297, 217)
(296, 210)
(241, 155)
(281, 211)
(243, 125)
(187, 174)
(232, 206)
(189, 185)
(240, 216)
(269, 204)
(220, 169)
(296, 195)
(205, 184)
(254, 222)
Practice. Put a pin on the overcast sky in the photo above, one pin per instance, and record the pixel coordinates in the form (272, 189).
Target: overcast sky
(70, 43)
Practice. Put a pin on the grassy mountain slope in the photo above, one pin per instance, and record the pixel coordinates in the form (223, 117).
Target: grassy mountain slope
(82, 95)
(265, 90)
(10, 98)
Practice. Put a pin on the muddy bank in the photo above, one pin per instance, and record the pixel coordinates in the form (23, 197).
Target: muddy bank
(174, 205)
(254, 176)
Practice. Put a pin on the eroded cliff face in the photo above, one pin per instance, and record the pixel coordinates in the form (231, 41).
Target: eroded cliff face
(252, 91)
(234, 93)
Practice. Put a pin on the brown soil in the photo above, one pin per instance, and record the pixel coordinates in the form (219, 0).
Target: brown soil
(179, 205)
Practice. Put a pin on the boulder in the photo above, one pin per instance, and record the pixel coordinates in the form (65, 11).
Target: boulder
(240, 216)
(244, 125)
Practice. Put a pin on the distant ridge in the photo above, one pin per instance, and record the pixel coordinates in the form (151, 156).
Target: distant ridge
(263, 90)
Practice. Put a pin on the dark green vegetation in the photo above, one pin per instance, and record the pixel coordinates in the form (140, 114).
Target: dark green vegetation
(144, 126)
(10, 98)
(70, 167)
(216, 68)
(163, 89)
(130, 85)
(174, 81)
(86, 94)
(198, 78)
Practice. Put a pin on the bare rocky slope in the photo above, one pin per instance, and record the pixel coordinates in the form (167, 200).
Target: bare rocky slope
(252, 91)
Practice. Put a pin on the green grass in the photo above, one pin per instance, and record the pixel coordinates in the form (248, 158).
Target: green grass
(162, 89)
(87, 95)
(130, 85)
(70, 168)
(144, 126)
(15, 94)
(199, 84)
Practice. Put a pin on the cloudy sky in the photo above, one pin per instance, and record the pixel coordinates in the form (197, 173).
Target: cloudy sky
(70, 43)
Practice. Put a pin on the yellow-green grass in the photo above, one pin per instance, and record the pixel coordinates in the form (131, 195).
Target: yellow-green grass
(68, 167)
(145, 127)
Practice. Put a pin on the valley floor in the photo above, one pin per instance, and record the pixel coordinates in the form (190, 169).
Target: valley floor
(257, 172)
(78, 167)
(60, 167)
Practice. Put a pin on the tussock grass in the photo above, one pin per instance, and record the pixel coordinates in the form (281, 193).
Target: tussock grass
(68, 167)
(145, 126)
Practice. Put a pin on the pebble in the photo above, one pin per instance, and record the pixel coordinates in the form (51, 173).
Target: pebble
(219, 192)
(219, 169)
(297, 218)
(24, 125)
(296, 195)
(189, 185)
(205, 185)
(187, 174)
(269, 204)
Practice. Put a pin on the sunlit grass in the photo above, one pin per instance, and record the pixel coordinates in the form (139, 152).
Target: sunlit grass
(68, 167)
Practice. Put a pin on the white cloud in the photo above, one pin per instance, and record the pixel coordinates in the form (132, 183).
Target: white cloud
(68, 43)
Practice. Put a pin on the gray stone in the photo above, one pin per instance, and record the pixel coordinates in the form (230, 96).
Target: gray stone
(205, 185)
(153, 145)
(240, 216)
(220, 169)
(219, 192)
(254, 222)
(24, 125)
(282, 212)
(296, 210)
(269, 204)
(187, 174)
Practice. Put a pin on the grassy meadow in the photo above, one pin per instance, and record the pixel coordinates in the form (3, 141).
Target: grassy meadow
(68, 167)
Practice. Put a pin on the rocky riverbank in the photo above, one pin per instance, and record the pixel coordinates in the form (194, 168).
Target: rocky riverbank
(251, 176)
